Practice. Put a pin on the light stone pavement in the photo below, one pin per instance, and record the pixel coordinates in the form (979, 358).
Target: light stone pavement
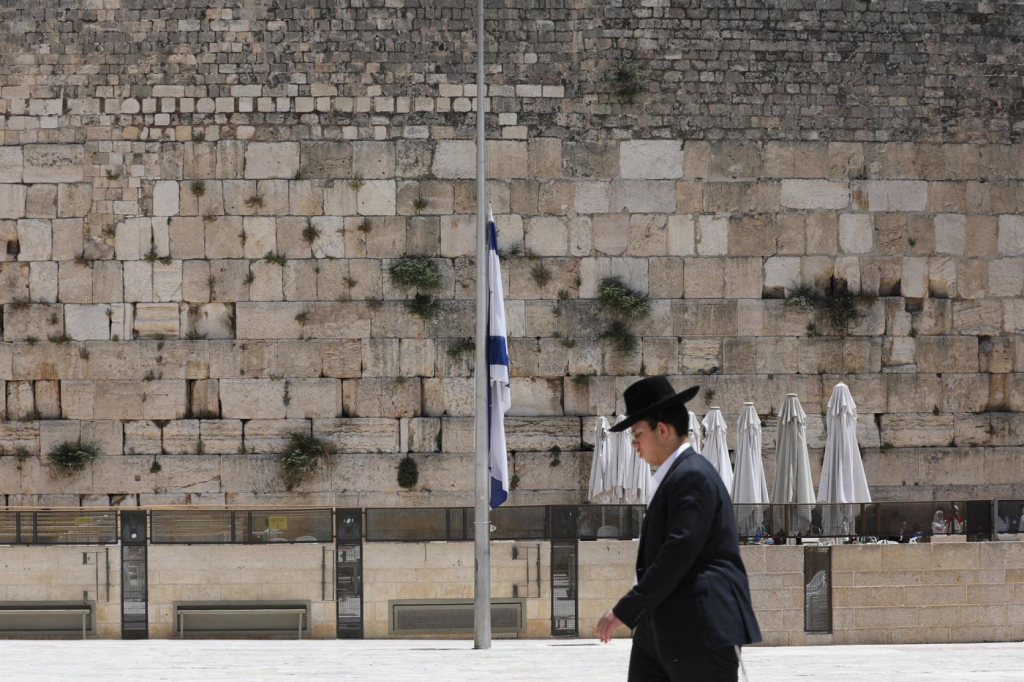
(444, 661)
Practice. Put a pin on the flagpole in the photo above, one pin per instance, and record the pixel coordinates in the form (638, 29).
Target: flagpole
(481, 531)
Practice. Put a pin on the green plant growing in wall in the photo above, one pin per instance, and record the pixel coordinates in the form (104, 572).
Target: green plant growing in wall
(310, 233)
(462, 348)
(622, 337)
(415, 273)
(424, 306)
(198, 188)
(615, 297)
(839, 308)
(420, 204)
(408, 473)
(628, 79)
(254, 202)
(302, 456)
(71, 457)
(541, 274)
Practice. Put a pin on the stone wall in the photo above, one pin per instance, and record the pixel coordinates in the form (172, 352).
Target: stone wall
(60, 574)
(444, 570)
(184, 573)
(201, 202)
(881, 594)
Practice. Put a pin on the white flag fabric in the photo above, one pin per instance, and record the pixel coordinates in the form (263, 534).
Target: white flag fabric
(715, 447)
(842, 474)
(499, 398)
(748, 486)
(694, 432)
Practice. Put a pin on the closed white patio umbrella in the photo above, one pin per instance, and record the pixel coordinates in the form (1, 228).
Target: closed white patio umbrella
(842, 473)
(694, 432)
(792, 464)
(715, 447)
(599, 491)
(748, 485)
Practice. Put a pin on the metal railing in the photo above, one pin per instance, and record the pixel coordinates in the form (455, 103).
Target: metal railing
(242, 526)
(899, 521)
(84, 526)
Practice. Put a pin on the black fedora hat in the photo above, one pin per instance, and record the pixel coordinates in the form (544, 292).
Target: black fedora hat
(650, 396)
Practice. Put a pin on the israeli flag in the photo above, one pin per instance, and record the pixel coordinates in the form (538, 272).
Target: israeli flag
(499, 397)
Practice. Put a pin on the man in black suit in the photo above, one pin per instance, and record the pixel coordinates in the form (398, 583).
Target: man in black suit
(690, 608)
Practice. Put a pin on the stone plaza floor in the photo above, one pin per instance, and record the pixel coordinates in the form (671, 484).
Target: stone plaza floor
(444, 661)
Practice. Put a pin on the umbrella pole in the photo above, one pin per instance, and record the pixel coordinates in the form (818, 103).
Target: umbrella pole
(481, 532)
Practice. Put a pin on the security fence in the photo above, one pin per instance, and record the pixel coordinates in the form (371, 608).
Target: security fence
(900, 521)
(84, 526)
(251, 526)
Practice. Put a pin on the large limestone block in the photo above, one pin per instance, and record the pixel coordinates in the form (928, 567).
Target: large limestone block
(12, 164)
(156, 321)
(209, 320)
(643, 196)
(342, 358)
(451, 396)
(54, 163)
(455, 159)
(542, 433)
(86, 322)
(897, 195)
(377, 198)
(855, 233)
(12, 201)
(252, 398)
(220, 436)
(323, 159)
(940, 354)
(917, 430)
(188, 474)
(1011, 235)
(536, 397)
(811, 194)
(167, 281)
(165, 198)
(373, 160)
(35, 321)
(133, 238)
(951, 234)
(313, 398)
(164, 399)
(271, 160)
(106, 433)
(505, 159)
(20, 435)
(263, 435)
(359, 435)
(181, 437)
(116, 400)
(651, 159)
(381, 397)
(35, 240)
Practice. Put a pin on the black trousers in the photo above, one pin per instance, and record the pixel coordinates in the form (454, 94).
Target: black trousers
(696, 665)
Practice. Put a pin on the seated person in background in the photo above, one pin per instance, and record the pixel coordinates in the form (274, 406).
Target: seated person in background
(938, 523)
(955, 522)
(894, 526)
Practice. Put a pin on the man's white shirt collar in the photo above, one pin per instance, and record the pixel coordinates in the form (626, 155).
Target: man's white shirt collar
(662, 471)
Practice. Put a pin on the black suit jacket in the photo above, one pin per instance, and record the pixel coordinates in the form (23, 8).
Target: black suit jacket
(692, 590)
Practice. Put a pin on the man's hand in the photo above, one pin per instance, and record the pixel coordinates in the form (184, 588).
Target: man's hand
(606, 626)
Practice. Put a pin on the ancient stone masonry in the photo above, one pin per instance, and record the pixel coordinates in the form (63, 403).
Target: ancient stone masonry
(201, 203)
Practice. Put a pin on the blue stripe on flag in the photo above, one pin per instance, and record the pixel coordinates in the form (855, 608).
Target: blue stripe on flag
(497, 351)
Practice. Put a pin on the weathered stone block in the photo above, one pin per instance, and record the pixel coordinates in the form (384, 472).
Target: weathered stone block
(35, 240)
(650, 159)
(252, 399)
(897, 195)
(54, 163)
(12, 164)
(156, 320)
(271, 160)
(360, 435)
(312, 398)
(805, 194)
(383, 397)
(455, 159)
(12, 201)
